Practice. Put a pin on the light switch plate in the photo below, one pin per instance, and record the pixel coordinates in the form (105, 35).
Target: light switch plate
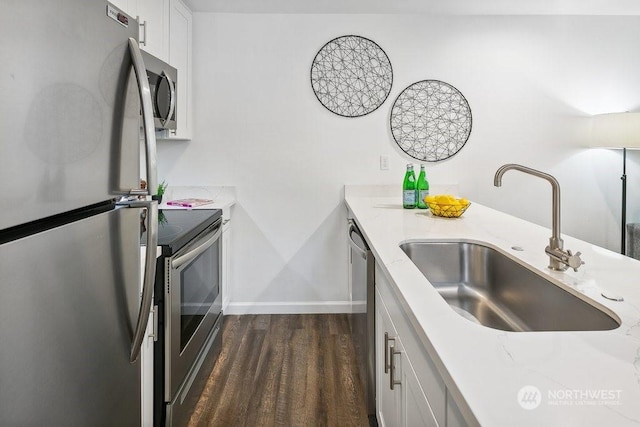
(384, 162)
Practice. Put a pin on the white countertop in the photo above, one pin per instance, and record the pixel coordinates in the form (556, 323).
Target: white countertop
(224, 197)
(593, 376)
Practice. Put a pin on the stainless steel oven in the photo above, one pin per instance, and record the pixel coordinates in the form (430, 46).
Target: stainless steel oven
(188, 297)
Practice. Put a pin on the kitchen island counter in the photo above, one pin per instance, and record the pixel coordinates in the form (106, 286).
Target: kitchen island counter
(584, 378)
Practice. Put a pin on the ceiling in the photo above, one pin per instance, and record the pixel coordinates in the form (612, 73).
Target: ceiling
(455, 7)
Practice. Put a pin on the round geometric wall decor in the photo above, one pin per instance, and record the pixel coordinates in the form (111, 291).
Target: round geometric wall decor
(351, 76)
(431, 120)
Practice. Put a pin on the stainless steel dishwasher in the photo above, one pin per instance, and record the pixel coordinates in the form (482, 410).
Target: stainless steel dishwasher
(361, 272)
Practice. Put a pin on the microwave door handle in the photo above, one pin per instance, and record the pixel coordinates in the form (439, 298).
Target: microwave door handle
(147, 115)
(183, 259)
(149, 277)
(172, 98)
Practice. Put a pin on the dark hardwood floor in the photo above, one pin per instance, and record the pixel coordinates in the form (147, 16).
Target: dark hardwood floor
(284, 370)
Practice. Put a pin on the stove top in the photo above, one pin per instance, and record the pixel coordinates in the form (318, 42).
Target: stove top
(176, 227)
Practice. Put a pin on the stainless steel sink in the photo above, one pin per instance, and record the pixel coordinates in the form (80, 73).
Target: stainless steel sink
(489, 288)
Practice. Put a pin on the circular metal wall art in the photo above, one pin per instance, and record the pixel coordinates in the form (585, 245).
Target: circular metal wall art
(431, 120)
(351, 76)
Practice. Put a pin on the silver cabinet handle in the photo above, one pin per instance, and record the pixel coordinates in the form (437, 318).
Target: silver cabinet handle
(172, 97)
(143, 42)
(392, 368)
(154, 333)
(149, 279)
(387, 338)
(147, 114)
(182, 259)
(354, 246)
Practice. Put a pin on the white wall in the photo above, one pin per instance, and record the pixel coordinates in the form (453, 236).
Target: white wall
(530, 81)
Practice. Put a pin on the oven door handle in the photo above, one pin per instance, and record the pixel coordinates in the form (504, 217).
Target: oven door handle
(183, 259)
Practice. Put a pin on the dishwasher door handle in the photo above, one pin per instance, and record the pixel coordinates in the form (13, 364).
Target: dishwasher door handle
(354, 246)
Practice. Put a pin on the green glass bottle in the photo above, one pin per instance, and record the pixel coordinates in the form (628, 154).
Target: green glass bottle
(409, 188)
(422, 188)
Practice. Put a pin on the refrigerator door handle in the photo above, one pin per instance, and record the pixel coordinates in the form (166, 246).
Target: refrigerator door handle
(149, 276)
(147, 115)
(172, 98)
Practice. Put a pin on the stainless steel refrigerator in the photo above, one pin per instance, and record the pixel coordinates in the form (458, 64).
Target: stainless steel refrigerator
(72, 314)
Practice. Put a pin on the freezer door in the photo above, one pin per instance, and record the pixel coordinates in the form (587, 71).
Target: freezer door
(69, 304)
(70, 111)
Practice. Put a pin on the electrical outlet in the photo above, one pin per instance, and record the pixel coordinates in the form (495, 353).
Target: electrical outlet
(384, 163)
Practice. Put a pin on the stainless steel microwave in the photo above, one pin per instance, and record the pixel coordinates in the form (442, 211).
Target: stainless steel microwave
(162, 82)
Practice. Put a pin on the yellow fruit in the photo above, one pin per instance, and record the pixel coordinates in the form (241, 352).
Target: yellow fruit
(446, 205)
(442, 199)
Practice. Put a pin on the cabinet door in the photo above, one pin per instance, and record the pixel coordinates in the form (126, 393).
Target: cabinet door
(226, 265)
(388, 401)
(416, 411)
(120, 4)
(154, 27)
(130, 7)
(454, 416)
(406, 404)
(180, 30)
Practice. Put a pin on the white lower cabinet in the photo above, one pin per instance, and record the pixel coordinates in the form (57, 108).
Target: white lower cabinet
(454, 416)
(388, 401)
(419, 396)
(226, 262)
(146, 359)
(416, 409)
(146, 365)
(400, 398)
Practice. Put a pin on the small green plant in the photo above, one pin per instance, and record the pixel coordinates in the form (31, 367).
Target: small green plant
(162, 219)
(161, 188)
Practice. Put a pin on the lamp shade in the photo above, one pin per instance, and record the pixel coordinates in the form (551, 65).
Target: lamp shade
(616, 130)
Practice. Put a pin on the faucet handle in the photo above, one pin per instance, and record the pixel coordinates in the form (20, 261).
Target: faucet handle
(574, 261)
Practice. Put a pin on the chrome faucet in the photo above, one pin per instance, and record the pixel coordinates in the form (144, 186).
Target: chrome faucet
(559, 259)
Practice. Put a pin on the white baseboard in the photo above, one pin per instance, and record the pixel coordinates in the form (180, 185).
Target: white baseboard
(283, 307)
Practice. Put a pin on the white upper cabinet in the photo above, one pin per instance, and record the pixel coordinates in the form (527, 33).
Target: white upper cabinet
(130, 7)
(165, 32)
(180, 56)
(153, 21)
(153, 18)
